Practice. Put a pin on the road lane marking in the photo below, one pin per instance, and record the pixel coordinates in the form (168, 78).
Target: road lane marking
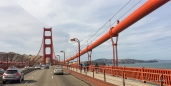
(52, 77)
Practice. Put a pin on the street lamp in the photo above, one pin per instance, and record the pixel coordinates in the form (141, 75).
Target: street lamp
(64, 55)
(75, 39)
(59, 58)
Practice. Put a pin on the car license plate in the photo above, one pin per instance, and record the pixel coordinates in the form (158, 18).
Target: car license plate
(10, 76)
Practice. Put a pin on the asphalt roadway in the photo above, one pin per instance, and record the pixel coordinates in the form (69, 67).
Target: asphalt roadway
(45, 77)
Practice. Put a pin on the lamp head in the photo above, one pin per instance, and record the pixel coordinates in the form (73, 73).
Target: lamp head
(73, 39)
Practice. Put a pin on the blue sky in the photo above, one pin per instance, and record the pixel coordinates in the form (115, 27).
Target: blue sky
(22, 23)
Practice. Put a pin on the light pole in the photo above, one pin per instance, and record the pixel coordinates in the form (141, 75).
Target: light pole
(75, 39)
(59, 58)
(64, 55)
(7, 59)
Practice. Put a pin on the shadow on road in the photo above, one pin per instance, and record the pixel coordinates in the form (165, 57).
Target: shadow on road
(63, 74)
(31, 81)
(23, 82)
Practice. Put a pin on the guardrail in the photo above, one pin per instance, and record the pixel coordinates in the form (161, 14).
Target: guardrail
(25, 71)
(6, 67)
(91, 80)
(152, 75)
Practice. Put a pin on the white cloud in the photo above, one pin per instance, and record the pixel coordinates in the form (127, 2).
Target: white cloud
(22, 25)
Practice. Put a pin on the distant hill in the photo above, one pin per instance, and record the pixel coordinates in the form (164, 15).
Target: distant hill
(124, 61)
(162, 60)
(15, 57)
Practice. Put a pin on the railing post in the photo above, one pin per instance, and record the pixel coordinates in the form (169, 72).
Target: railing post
(123, 74)
(93, 72)
(73, 68)
(81, 69)
(161, 80)
(142, 75)
(86, 70)
(76, 68)
(104, 75)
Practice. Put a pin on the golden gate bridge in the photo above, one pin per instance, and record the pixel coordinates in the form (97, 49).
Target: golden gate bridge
(114, 31)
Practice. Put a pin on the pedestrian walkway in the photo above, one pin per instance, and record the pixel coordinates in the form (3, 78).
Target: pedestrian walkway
(115, 80)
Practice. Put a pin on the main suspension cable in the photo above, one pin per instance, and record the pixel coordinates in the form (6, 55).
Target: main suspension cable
(107, 22)
(116, 21)
(83, 45)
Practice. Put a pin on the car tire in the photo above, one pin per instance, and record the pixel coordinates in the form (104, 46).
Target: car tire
(4, 82)
(23, 78)
(19, 81)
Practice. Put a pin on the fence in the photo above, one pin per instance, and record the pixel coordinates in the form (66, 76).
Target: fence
(152, 75)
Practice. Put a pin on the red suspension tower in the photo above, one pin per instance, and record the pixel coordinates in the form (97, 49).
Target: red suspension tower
(50, 45)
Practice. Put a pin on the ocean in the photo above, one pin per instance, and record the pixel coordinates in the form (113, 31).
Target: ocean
(163, 64)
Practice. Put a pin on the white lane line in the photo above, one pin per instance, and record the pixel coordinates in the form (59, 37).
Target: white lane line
(52, 77)
(26, 82)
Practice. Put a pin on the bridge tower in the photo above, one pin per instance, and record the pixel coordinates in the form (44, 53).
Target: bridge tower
(45, 45)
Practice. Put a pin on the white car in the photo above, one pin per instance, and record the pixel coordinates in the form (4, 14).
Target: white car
(26, 67)
(43, 65)
(57, 70)
(37, 67)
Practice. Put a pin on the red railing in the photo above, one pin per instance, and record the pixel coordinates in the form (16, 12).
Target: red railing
(91, 80)
(152, 75)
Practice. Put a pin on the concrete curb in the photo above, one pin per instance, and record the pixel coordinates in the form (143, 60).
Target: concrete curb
(80, 79)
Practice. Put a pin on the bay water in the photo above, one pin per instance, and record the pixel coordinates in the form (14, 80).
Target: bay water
(163, 65)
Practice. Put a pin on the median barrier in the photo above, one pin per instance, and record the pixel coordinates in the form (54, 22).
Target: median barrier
(25, 71)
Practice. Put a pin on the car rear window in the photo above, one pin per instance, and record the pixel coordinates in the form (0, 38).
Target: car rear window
(11, 71)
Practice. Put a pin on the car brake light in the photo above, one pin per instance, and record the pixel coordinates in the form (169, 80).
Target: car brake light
(4, 74)
(17, 74)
